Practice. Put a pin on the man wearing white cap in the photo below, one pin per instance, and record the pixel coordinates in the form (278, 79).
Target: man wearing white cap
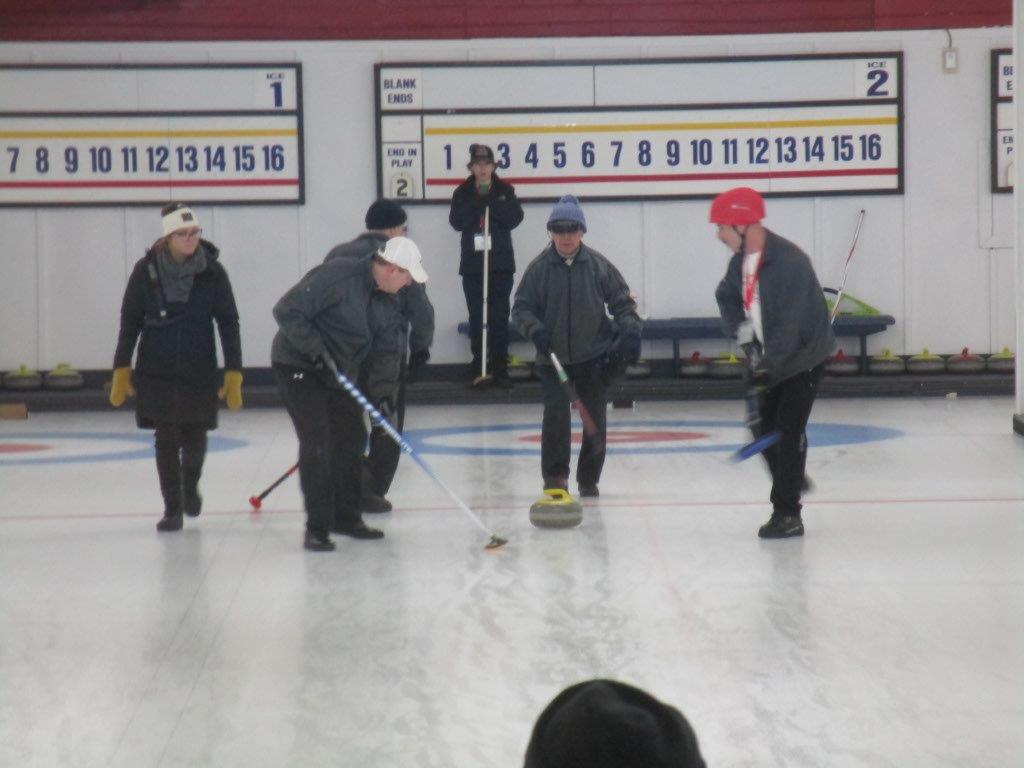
(330, 314)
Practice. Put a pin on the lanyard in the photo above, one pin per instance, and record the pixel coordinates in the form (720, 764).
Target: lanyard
(750, 281)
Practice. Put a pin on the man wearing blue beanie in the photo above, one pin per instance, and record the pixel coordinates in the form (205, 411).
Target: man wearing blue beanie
(562, 305)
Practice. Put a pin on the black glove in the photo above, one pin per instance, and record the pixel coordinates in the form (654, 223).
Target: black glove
(541, 341)
(629, 349)
(417, 359)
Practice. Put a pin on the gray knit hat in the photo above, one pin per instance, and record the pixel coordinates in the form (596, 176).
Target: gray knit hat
(568, 209)
(608, 724)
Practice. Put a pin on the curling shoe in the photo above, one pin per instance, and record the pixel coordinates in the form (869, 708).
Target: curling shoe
(169, 523)
(317, 541)
(358, 530)
(371, 503)
(782, 527)
(589, 491)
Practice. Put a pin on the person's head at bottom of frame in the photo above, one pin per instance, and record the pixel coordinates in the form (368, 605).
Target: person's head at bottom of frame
(609, 724)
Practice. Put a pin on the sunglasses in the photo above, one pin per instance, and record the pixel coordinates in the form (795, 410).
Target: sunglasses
(564, 227)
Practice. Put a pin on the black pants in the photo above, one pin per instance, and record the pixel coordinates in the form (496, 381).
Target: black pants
(180, 453)
(786, 407)
(555, 446)
(381, 460)
(499, 291)
(332, 435)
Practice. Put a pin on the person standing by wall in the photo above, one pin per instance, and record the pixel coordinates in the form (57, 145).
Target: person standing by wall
(562, 305)
(174, 295)
(483, 191)
(772, 304)
(330, 319)
(386, 219)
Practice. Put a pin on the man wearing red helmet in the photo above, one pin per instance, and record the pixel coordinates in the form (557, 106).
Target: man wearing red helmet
(771, 302)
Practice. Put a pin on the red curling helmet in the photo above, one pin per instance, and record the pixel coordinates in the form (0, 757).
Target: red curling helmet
(737, 207)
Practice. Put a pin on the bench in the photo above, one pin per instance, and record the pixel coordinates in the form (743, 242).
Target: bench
(677, 328)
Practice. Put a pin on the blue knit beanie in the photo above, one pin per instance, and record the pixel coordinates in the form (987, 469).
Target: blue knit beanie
(568, 209)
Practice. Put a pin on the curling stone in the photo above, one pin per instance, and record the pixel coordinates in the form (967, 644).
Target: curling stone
(726, 366)
(965, 362)
(1002, 361)
(556, 510)
(693, 367)
(841, 365)
(23, 378)
(926, 362)
(518, 370)
(63, 377)
(887, 363)
(641, 369)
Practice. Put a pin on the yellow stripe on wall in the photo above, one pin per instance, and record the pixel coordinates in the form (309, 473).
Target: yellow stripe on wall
(637, 127)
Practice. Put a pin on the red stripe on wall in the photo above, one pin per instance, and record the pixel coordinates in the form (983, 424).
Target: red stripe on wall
(520, 181)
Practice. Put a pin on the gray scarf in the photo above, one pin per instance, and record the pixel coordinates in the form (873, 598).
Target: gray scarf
(177, 278)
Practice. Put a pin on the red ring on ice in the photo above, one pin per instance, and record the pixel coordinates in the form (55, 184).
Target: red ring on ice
(22, 447)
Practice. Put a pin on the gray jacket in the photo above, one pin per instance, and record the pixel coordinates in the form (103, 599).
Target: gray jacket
(336, 308)
(571, 301)
(413, 302)
(794, 316)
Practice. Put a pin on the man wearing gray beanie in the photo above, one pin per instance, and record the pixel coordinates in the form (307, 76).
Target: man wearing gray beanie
(562, 305)
(608, 724)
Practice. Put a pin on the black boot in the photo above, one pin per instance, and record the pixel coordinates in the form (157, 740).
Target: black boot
(193, 454)
(168, 469)
(191, 500)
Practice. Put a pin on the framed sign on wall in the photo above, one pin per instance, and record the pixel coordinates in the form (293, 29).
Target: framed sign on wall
(819, 124)
(144, 134)
(1002, 120)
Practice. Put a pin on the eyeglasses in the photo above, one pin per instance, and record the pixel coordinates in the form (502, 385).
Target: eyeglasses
(564, 227)
(187, 234)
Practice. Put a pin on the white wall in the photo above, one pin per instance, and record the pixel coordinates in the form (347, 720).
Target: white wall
(939, 258)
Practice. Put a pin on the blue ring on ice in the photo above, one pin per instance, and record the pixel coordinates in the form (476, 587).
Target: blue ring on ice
(818, 435)
(215, 444)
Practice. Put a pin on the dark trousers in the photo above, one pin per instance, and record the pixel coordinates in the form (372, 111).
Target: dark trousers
(556, 434)
(786, 407)
(332, 436)
(180, 453)
(381, 460)
(499, 291)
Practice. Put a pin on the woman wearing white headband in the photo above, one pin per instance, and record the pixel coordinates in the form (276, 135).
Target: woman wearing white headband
(174, 295)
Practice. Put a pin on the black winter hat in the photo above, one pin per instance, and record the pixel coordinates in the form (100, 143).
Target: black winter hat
(384, 214)
(608, 724)
(480, 152)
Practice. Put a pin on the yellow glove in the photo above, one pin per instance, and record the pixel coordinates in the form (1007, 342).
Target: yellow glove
(231, 392)
(121, 386)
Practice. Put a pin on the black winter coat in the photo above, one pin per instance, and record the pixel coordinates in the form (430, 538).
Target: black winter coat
(175, 376)
(467, 216)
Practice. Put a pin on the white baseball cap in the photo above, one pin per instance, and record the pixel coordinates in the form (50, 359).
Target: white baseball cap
(181, 217)
(402, 252)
